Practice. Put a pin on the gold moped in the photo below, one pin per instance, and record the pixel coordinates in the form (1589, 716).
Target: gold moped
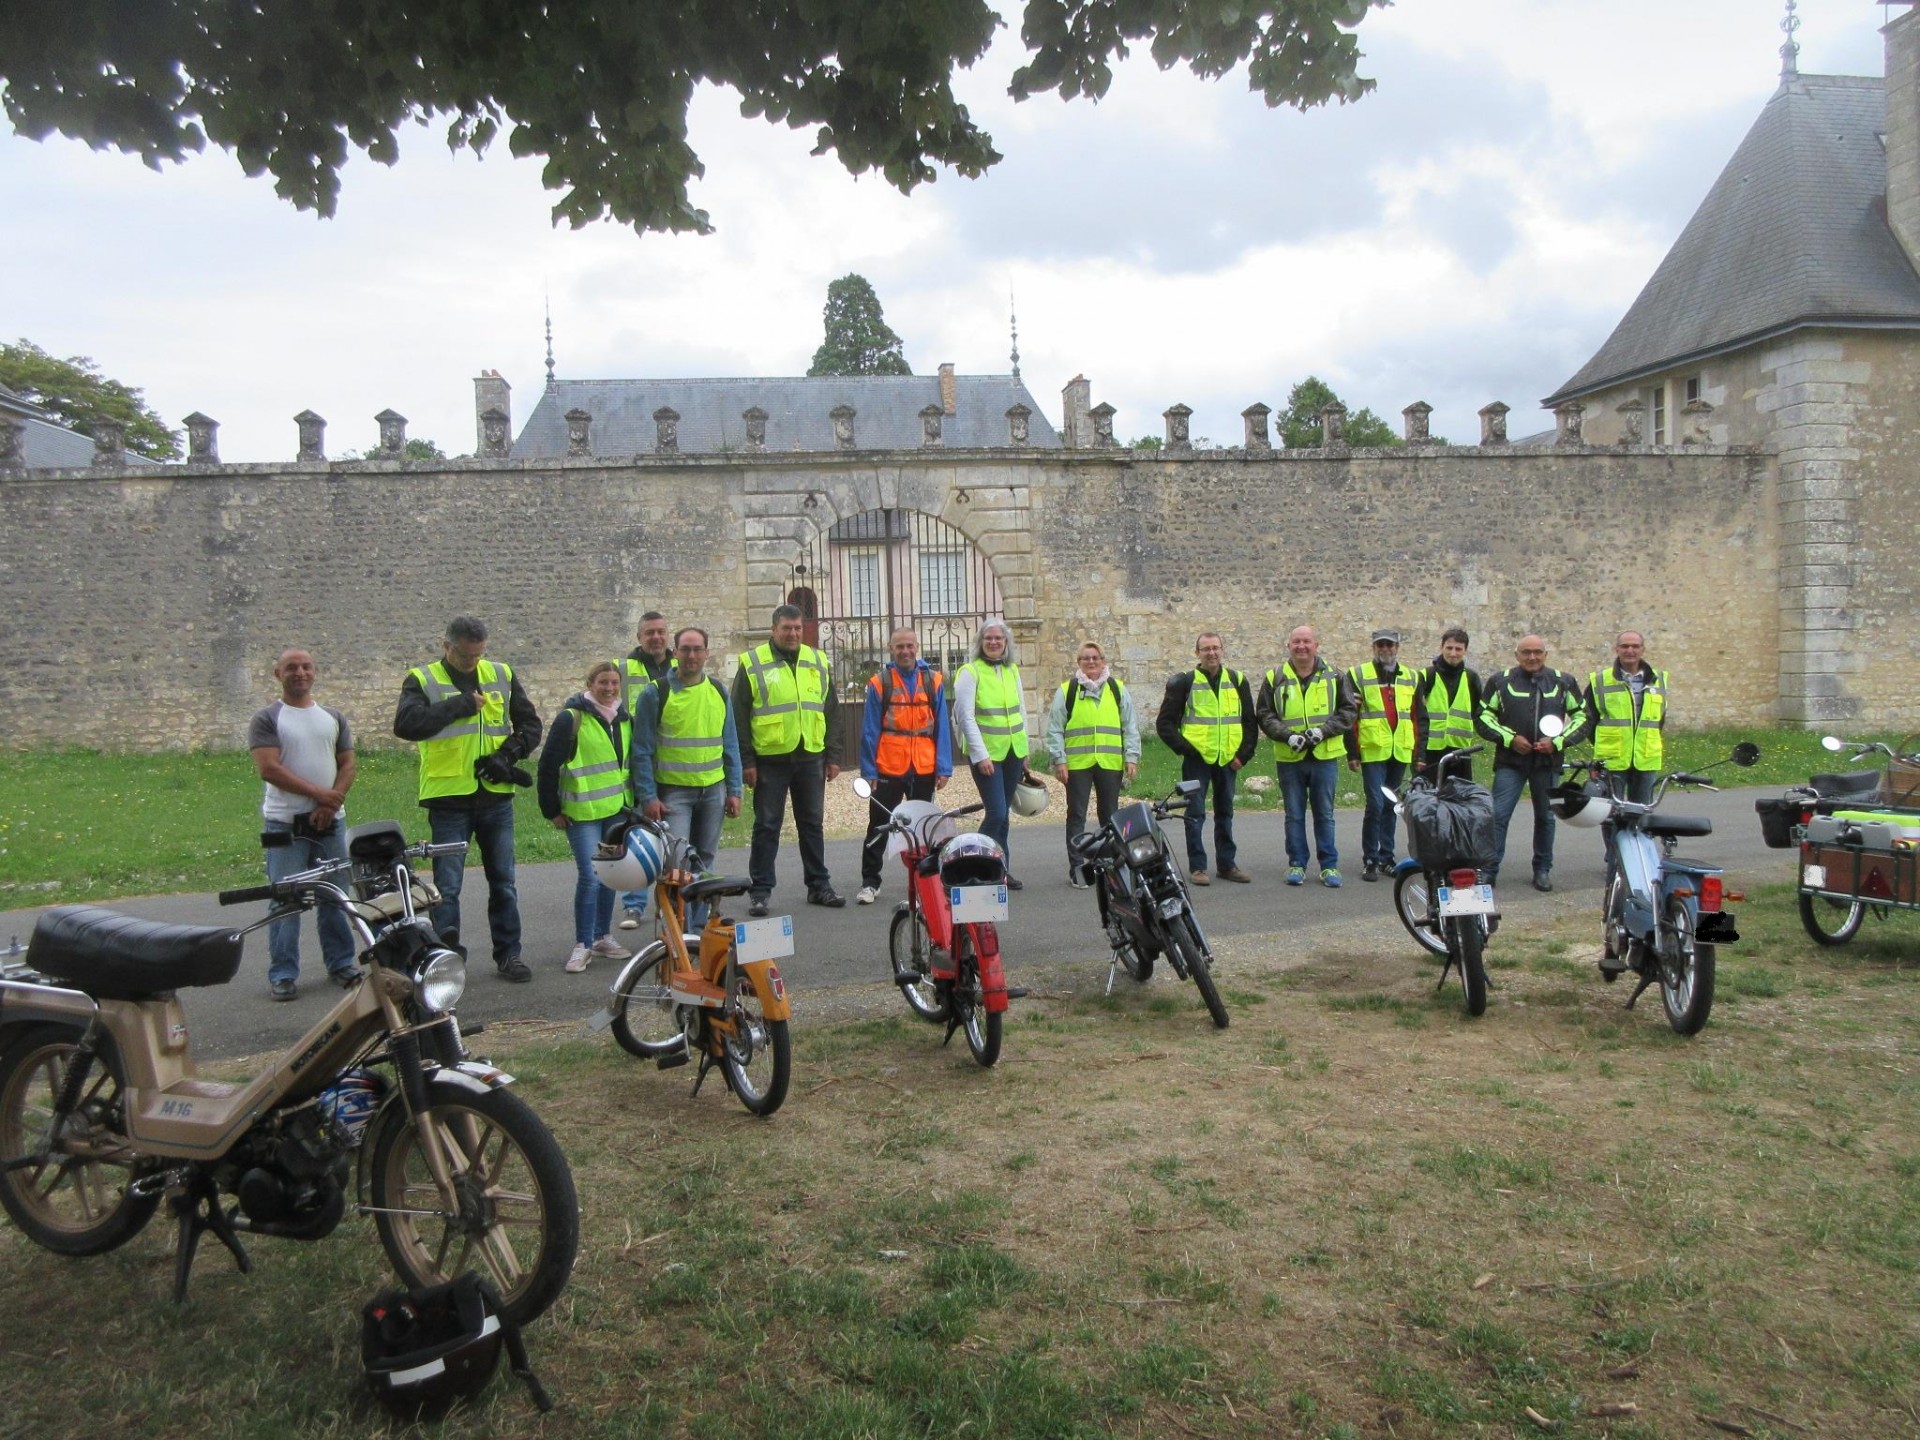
(103, 1114)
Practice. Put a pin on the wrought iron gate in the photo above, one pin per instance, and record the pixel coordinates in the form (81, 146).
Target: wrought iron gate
(877, 571)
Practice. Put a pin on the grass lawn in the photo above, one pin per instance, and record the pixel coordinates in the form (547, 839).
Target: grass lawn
(1356, 1213)
(87, 825)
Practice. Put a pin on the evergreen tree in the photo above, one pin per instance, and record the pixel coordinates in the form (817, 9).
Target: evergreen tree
(77, 395)
(1299, 422)
(858, 340)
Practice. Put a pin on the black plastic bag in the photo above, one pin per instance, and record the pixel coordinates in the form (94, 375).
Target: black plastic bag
(1451, 827)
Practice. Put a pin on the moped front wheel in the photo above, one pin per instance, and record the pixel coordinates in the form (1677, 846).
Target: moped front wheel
(1831, 922)
(1686, 981)
(1470, 938)
(980, 1025)
(646, 1021)
(80, 1200)
(1413, 903)
(757, 1054)
(911, 949)
(1193, 959)
(514, 1216)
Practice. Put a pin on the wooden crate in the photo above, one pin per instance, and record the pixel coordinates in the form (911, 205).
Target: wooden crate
(1887, 876)
(1900, 786)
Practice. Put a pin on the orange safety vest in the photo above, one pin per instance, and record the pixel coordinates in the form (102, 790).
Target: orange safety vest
(906, 723)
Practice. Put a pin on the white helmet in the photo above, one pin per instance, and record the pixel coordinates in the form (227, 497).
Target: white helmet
(631, 864)
(1029, 796)
(1582, 808)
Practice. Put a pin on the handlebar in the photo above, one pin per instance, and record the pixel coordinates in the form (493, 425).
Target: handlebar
(248, 894)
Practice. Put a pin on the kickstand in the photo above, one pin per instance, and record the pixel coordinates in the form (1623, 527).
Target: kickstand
(1446, 969)
(1113, 968)
(197, 1210)
(706, 1064)
(1645, 981)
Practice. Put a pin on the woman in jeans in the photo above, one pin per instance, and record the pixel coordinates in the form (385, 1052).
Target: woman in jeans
(583, 784)
(992, 719)
(1093, 744)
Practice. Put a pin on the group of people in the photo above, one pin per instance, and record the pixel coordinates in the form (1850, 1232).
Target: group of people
(656, 732)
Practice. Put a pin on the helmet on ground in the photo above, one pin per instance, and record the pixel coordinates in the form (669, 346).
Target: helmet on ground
(1582, 806)
(632, 863)
(426, 1350)
(1029, 796)
(973, 859)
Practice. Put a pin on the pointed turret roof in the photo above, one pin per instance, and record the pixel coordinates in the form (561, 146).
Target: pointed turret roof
(1793, 233)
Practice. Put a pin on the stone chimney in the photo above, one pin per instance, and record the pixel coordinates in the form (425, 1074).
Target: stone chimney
(1076, 414)
(1903, 131)
(946, 388)
(490, 392)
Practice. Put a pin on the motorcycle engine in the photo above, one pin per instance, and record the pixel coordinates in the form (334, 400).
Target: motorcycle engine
(292, 1173)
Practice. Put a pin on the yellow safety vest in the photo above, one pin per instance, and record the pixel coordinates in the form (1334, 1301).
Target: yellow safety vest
(1620, 739)
(634, 678)
(593, 784)
(446, 760)
(1450, 717)
(789, 701)
(1304, 706)
(1377, 742)
(692, 736)
(1098, 741)
(996, 709)
(1213, 724)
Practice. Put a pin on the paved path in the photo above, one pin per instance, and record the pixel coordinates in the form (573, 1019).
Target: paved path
(1051, 923)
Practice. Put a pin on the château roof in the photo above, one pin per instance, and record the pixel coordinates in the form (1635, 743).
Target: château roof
(799, 413)
(1793, 233)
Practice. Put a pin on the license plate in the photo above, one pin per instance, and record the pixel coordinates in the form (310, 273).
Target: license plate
(1476, 901)
(1814, 877)
(1171, 906)
(973, 904)
(769, 939)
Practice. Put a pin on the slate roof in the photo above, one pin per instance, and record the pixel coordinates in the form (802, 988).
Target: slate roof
(887, 413)
(1793, 233)
(47, 445)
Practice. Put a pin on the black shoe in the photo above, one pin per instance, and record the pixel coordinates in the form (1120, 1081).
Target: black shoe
(1371, 873)
(757, 908)
(283, 989)
(345, 979)
(826, 898)
(514, 970)
(1542, 882)
(1013, 884)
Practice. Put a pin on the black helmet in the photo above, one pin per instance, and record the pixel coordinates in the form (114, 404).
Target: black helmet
(973, 859)
(426, 1350)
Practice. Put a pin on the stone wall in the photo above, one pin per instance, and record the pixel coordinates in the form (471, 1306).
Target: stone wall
(146, 610)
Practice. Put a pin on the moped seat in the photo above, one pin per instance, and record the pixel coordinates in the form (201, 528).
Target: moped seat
(1854, 782)
(1677, 825)
(714, 887)
(116, 957)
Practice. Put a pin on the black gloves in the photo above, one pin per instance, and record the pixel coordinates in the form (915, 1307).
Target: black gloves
(499, 769)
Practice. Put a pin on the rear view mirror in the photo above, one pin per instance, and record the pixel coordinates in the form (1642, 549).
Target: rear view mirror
(1746, 753)
(1833, 743)
(862, 788)
(1189, 787)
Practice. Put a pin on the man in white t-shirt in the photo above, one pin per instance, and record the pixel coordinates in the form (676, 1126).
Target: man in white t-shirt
(304, 753)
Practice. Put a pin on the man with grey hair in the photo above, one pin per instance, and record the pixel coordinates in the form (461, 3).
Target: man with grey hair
(473, 725)
(990, 713)
(788, 722)
(1206, 718)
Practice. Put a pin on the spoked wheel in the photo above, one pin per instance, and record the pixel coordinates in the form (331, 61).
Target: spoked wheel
(1413, 902)
(646, 1022)
(1470, 935)
(1193, 960)
(1830, 921)
(513, 1216)
(1613, 925)
(757, 1054)
(980, 1025)
(1686, 982)
(911, 950)
(79, 1200)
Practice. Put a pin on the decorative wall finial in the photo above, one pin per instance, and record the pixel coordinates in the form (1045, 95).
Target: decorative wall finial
(550, 381)
(1790, 52)
(1013, 324)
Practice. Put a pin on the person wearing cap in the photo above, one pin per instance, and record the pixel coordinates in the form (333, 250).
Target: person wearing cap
(1444, 707)
(1380, 745)
(1206, 718)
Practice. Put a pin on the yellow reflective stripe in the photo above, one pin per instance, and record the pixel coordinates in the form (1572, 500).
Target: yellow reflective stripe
(689, 742)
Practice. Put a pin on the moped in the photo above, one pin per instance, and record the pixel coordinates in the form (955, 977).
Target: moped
(1439, 893)
(944, 941)
(1664, 915)
(1144, 904)
(103, 1113)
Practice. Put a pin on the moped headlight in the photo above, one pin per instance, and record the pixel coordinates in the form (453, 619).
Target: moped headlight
(1142, 850)
(441, 982)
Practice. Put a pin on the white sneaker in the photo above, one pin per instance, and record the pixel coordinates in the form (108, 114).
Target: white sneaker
(868, 894)
(581, 957)
(630, 920)
(607, 946)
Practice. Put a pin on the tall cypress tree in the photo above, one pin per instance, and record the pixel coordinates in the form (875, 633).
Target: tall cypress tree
(858, 339)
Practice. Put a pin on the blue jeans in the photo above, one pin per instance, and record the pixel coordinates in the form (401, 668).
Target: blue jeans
(1220, 779)
(283, 936)
(1628, 784)
(1376, 831)
(804, 777)
(491, 827)
(1301, 782)
(695, 813)
(592, 901)
(996, 793)
(1507, 785)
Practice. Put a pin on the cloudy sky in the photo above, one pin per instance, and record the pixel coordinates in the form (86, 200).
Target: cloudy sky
(1470, 232)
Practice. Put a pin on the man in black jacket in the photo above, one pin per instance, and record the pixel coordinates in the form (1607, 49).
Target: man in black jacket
(1511, 710)
(1206, 718)
(473, 724)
